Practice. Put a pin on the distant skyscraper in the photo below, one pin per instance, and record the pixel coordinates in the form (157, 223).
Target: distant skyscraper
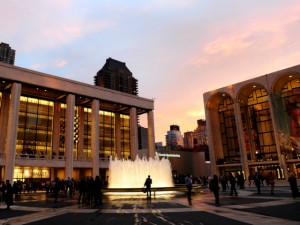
(7, 55)
(174, 139)
(115, 75)
(200, 135)
(189, 139)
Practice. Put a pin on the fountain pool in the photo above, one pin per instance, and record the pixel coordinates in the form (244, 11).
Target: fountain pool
(132, 174)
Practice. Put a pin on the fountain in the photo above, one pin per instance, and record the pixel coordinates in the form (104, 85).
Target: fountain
(132, 174)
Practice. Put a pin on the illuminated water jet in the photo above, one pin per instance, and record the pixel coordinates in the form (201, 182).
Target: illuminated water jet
(132, 174)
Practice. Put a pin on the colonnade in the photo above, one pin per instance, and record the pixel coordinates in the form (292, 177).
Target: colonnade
(9, 127)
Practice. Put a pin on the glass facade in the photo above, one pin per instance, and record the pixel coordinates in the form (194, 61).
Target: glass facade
(87, 132)
(107, 134)
(229, 131)
(35, 127)
(258, 127)
(288, 109)
(62, 128)
(125, 136)
(35, 130)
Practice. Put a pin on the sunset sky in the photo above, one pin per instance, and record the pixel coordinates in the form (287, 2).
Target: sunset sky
(177, 49)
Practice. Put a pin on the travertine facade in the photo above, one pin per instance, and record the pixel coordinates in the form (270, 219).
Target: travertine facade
(254, 125)
(54, 127)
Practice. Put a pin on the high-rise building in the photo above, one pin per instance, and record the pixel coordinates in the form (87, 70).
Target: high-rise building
(174, 139)
(116, 76)
(7, 55)
(189, 139)
(200, 136)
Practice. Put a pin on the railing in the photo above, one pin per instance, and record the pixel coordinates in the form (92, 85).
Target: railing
(53, 157)
(38, 157)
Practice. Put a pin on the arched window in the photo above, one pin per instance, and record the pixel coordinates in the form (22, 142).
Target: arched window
(229, 131)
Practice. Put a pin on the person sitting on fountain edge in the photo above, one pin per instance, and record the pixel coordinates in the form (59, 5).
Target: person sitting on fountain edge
(147, 184)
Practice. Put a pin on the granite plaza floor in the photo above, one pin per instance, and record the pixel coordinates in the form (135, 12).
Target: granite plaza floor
(247, 208)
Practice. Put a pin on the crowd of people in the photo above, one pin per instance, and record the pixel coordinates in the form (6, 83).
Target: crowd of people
(257, 179)
(88, 189)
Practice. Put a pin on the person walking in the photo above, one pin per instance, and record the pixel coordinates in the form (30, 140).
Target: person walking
(189, 185)
(293, 184)
(56, 188)
(271, 181)
(257, 181)
(147, 184)
(224, 181)
(232, 182)
(97, 191)
(8, 194)
(214, 187)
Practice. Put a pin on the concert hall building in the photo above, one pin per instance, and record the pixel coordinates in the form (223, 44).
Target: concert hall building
(254, 125)
(55, 127)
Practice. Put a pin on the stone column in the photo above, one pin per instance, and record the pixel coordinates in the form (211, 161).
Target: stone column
(151, 136)
(133, 133)
(69, 142)
(118, 134)
(56, 129)
(12, 130)
(281, 157)
(241, 138)
(3, 119)
(212, 150)
(95, 137)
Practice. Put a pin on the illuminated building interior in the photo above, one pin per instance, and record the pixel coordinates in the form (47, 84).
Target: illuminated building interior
(253, 126)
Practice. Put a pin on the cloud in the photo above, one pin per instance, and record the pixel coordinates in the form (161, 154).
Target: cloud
(61, 63)
(195, 113)
(261, 33)
(227, 46)
(47, 25)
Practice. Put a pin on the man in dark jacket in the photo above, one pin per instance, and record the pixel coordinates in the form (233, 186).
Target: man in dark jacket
(214, 187)
(232, 182)
(8, 194)
(147, 184)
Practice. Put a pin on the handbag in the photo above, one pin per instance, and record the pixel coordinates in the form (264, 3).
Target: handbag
(144, 190)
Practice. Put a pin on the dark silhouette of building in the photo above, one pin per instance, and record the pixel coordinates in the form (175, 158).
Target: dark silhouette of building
(115, 75)
(143, 137)
(7, 55)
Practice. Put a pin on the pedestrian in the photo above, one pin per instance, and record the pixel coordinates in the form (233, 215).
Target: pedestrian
(82, 189)
(271, 181)
(224, 181)
(257, 180)
(147, 184)
(97, 191)
(293, 184)
(241, 180)
(56, 188)
(8, 194)
(214, 187)
(232, 182)
(189, 185)
(249, 180)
